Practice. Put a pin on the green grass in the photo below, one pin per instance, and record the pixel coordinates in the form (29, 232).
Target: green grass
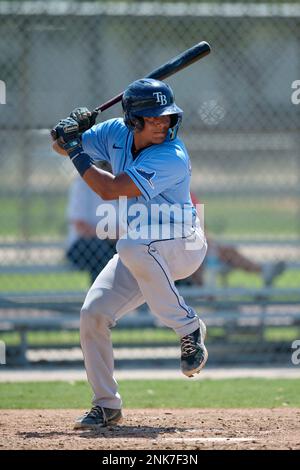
(283, 333)
(251, 216)
(288, 279)
(231, 393)
(147, 335)
(120, 336)
(32, 216)
(79, 281)
(199, 1)
(41, 215)
(71, 281)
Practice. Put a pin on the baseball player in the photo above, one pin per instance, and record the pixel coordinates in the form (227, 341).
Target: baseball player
(151, 167)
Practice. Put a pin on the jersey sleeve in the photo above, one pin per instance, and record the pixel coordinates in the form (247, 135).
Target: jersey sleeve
(95, 141)
(155, 174)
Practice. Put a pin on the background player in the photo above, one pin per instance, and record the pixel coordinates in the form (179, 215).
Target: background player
(84, 248)
(151, 167)
(230, 258)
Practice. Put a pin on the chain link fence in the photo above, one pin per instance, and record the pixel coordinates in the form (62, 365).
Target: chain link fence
(241, 127)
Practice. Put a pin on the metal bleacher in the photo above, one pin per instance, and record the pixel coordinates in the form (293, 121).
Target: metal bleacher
(235, 309)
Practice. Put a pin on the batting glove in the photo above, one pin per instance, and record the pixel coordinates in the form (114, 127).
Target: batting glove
(84, 117)
(67, 134)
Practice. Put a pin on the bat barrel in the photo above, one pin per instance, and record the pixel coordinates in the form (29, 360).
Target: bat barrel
(183, 60)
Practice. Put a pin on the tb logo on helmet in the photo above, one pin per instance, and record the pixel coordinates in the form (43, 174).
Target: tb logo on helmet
(160, 98)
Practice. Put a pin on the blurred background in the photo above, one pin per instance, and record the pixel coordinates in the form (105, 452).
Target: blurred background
(240, 127)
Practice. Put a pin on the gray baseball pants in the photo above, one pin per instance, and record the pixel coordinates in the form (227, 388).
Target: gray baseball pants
(142, 271)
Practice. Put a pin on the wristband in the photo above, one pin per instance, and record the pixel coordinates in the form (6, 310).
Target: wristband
(82, 161)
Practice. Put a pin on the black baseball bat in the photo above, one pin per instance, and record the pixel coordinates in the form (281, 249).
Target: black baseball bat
(180, 62)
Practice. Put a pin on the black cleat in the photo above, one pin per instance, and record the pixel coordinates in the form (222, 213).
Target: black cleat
(193, 351)
(99, 417)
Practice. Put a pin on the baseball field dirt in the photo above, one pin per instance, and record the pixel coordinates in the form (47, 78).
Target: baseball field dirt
(151, 429)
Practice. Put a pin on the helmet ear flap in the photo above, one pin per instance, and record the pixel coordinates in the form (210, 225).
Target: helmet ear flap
(133, 122)
(127, 121)
(174, 120)
(138, 123)
(174, 126)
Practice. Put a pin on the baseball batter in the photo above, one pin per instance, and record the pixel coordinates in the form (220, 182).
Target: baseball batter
(151, 167)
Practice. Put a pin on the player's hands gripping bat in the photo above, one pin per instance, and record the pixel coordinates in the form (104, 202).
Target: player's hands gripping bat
(82, 116)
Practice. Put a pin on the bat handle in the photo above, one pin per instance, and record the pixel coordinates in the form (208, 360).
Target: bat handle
(109, 103)
(93, 116)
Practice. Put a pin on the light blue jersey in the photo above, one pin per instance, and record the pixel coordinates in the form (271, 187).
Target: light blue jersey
(161, 172)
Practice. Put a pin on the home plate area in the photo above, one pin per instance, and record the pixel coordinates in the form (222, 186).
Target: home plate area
(151, 429)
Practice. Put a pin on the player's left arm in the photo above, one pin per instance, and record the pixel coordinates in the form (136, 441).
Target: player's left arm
(109, 186)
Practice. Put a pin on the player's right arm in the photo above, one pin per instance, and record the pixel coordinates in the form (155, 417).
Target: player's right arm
(82, 150)
(58, 149)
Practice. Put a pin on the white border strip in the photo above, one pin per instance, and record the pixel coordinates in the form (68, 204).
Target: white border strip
(230, 10)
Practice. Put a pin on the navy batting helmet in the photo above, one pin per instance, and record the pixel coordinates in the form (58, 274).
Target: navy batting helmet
(149, 98)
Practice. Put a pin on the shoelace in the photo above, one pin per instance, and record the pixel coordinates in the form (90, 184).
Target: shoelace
(97, 412)
(188, 345)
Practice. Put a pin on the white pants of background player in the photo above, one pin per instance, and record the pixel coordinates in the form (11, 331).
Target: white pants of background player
(142, 271)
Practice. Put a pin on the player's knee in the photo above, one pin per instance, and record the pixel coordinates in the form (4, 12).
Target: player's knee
(128, 250)
(96, 311)
(87, 321)
(91, 323)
